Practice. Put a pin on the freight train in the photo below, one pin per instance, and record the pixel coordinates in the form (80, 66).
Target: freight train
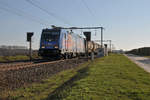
(63, 43)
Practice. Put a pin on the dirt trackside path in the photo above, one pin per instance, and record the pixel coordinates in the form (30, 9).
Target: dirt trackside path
(143, 62)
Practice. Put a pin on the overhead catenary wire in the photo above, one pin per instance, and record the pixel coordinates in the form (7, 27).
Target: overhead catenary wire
(88, 8)
(92, 14)
(32, 2)
(21, 13)
(18, 14)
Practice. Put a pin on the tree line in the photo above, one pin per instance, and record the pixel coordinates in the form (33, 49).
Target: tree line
(13, 50)
(144, 51)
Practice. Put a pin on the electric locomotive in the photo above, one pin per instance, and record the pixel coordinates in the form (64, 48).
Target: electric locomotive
(58, 42)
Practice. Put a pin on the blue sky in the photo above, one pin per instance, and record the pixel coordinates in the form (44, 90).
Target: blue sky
(126, 22)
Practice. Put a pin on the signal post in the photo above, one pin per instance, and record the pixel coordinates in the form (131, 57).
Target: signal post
(29, 39)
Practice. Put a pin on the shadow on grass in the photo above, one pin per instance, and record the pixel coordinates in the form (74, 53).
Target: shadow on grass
(63, 91)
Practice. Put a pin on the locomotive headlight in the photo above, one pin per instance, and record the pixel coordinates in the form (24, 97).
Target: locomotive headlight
(43, 47)
(56, 46)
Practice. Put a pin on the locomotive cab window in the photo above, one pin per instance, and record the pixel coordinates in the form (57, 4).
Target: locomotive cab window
(50, 36)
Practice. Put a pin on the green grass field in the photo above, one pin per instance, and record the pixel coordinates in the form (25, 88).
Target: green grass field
(113, 77)
(13, 58)
(16, 58)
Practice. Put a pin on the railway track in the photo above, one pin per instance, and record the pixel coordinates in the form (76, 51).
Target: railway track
(20, 74)
(14, 64)
(21, 65)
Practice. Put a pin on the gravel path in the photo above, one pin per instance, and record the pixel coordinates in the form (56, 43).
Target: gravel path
(143, 62)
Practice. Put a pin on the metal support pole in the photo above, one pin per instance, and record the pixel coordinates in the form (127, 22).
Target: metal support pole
(30, 50)
(110, 45)
(87, 53)
(102, 37)
(29, 39)
(92, 55)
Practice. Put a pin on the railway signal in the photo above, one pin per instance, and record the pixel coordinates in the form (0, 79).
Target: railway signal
(29, 39)
(87, 35)
(88, 38)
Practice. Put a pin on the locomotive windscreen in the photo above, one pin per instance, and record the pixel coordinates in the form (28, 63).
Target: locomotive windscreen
(50, 35)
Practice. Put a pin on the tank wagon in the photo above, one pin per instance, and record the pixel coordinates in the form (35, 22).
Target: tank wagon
(93, 47)
(58, 42)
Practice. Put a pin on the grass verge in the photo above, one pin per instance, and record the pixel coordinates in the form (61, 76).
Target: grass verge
(113, 77)
(13, 58)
